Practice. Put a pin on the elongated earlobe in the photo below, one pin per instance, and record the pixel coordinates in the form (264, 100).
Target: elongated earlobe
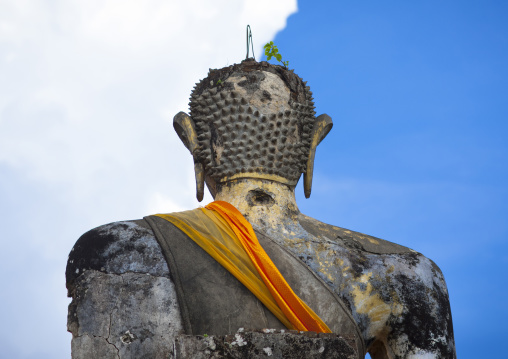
(199, 172)
(185, 129)
(322, 126)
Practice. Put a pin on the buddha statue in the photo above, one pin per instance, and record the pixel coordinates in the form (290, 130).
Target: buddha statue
(252, 132)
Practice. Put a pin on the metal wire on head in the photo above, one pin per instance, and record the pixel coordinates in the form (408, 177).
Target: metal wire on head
(249, 41)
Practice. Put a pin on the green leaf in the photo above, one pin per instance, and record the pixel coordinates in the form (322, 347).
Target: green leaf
(278, 56)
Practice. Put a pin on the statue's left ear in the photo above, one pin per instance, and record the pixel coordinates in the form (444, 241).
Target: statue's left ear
(185, 129)
(322, 126)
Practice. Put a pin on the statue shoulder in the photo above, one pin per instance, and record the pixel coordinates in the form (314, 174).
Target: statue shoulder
(124, 302)
(351, 239)
(391, 289)
(118, 247)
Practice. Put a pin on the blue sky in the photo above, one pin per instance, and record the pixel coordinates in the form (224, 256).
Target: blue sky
(419, 150)
(417, 92)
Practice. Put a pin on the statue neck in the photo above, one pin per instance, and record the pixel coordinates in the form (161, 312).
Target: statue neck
(265, 204)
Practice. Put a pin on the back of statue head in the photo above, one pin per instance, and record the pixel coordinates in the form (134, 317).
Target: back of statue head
(252, 120)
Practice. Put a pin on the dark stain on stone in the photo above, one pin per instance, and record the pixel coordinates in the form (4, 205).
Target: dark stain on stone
(419, 308)
(252, 81)
(351, 243)
(292, 80)
(266, 96)
(411, 258)
(94, 250)
(258, 197)
(87, 253)
(358, 262)
(306, 259)
(217, 141)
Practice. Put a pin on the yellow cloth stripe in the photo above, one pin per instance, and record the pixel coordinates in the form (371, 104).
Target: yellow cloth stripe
(212, 233)
(296, 310)
(228, 237)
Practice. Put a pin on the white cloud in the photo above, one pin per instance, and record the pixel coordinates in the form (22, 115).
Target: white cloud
(88, 90)
(88, 81)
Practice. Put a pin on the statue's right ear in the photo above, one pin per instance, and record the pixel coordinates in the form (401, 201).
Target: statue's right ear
(186, 130)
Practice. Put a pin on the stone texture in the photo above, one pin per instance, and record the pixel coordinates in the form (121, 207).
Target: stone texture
(124, 302)
(125, 315)
(120, 247)
(254, 345)
(88, 346)
(253, 118)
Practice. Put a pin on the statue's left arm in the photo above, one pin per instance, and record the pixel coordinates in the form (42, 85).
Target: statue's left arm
(422, 326)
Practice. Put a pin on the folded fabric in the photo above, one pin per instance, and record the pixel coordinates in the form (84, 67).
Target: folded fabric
(222, 231)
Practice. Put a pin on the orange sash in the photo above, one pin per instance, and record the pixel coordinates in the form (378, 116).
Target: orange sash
(228, 237)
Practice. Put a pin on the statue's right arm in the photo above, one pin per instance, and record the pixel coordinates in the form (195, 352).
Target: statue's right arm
(124, 302)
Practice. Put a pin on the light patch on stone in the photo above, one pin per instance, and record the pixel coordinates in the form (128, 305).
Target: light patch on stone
(420, 354)
(268, 351)
(259, 216)
(272, 84)
(400, 346)
(371, 304)
(325, 266)
(128, 337)
(423, 272)
(239, 341)
(372, 240)
(218, 152)
(210, 343)
(148, 260)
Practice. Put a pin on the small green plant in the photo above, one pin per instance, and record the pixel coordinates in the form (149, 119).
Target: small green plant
(272, 51)
(219, 82)
(206, 335)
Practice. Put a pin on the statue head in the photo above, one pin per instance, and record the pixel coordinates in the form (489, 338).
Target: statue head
(251, 120)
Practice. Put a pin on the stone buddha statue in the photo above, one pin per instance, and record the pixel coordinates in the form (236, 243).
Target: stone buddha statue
(252, 132)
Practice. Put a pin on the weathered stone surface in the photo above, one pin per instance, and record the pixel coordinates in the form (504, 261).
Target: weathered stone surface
(253, 118)
(404, 292)
(254, 141)
(135, 314)
(257, 345)
(88, 346)
(119, 247)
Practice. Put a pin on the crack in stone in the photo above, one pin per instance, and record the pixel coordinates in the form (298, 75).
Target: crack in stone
(100, 337)
(109, 335)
